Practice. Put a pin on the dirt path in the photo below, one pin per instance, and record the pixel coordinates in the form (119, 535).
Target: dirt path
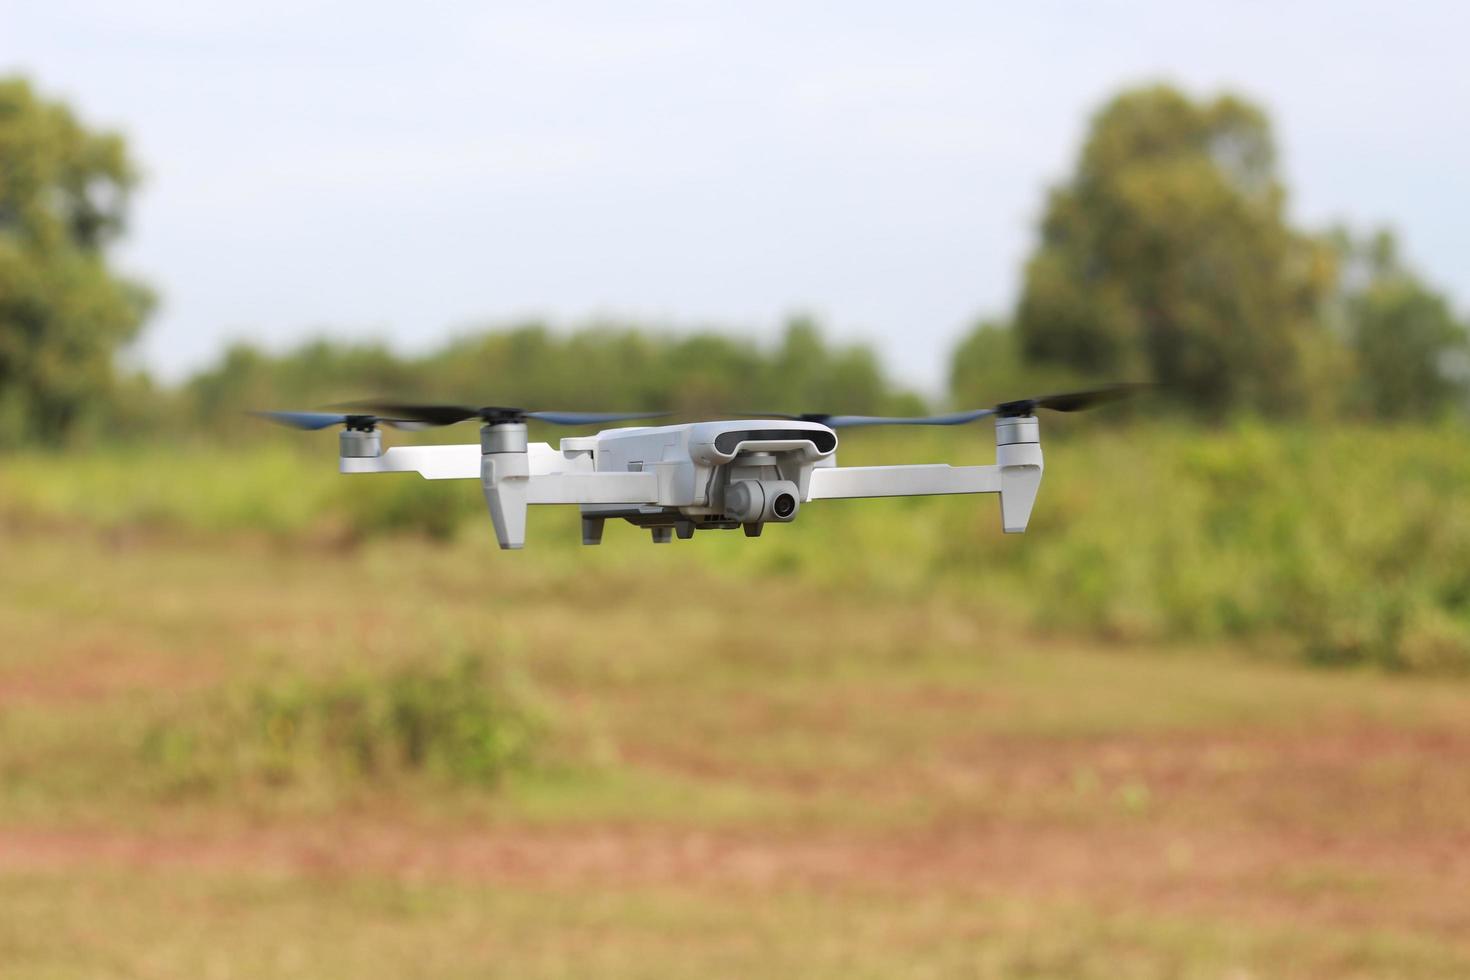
(1352, 825)
(1413, 883)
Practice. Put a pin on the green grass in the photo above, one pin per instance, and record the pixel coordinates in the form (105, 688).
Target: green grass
(1330, 545)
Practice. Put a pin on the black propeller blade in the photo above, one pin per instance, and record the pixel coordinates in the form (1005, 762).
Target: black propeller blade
(1071, 401)
(312, 421)
(492, 414)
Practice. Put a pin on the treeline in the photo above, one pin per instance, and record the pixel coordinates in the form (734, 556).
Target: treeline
(1165, 256)
(598, 367)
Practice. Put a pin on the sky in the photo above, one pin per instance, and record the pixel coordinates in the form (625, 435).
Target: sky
(408, 171)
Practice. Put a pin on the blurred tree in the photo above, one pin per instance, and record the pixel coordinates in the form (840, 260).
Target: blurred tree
(319, 372)
(810, 376)
(987, 367)
(1413, 356)
(602, 366)
(1167, 257)
(63, 313)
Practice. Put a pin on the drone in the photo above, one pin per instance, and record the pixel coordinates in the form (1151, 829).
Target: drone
(693, 476)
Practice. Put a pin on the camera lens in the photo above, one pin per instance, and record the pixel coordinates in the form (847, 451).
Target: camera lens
(784, 505)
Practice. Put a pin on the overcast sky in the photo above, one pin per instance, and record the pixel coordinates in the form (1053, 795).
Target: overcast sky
(406, 169)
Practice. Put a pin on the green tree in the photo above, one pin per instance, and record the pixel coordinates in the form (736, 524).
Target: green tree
(1411, 351)
(63, 313)
(808, 375)
(601, 366)
(987, 367)
(1167, 257)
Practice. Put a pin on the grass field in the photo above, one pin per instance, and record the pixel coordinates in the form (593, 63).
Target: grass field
(738, 765)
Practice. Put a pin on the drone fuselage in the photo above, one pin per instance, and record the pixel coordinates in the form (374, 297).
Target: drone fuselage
(700, 475)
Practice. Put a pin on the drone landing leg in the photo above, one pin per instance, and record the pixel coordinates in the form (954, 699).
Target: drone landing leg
(504, 477)
(592, 529)
(1020, 466)
(1018, 486)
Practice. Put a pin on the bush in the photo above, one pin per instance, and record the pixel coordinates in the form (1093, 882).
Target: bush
(461, 722)
(1335, 545)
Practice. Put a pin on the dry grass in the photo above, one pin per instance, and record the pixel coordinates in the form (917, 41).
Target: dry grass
(740, 777)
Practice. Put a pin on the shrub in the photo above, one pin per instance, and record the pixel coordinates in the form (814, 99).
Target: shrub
(462, 722)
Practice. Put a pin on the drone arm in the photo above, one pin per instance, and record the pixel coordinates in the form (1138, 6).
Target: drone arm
(430, 462)
(902, 481)
(1017, 477)
(459, 462)
(514, 480)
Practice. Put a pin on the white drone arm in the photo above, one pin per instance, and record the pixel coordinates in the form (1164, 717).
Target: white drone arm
(837, 482)
(1016, 477)
(552, 478)
(429, 462)
(513, 480)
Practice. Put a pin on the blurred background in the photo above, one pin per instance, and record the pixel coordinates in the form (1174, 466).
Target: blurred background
(1208, 717)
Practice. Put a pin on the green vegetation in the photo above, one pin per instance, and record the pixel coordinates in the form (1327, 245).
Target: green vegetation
(1167, 257)
(452, 720)
(1411, 351)
(596, 367)
(63, 313)
(1341, 546)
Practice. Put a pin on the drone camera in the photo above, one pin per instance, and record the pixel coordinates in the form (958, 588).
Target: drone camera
(756, 501)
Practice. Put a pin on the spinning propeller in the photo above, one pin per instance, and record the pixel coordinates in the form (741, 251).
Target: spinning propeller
(401, 416)
(312, 421)
(407, 415)
(494, 414)
(1072, 401)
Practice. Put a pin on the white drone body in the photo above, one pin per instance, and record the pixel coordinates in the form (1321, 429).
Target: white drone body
(701, 475)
